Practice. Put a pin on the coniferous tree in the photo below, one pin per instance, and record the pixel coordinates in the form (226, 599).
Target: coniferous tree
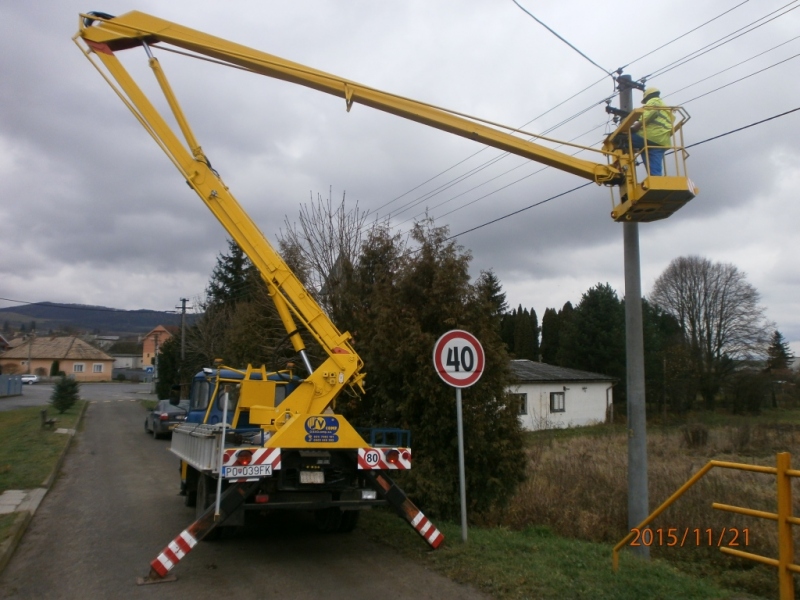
(234, 278)
(593, 339)
(400, 303)
(65, 394)
(550, 330)
(492, 290)
(779, 356)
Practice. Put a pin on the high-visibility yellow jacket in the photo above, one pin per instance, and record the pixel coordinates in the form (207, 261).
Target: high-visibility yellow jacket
(657, 124)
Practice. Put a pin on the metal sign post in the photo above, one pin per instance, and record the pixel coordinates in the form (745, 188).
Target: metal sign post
(458, 358)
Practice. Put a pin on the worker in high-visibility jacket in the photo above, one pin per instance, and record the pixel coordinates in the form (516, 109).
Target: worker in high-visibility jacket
(655, 127)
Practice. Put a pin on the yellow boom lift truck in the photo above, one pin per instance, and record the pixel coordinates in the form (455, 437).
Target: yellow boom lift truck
(258, 440)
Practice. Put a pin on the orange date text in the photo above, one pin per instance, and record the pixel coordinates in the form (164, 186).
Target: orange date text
(691, 536)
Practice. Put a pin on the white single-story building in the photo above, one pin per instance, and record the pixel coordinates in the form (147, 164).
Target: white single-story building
(551, 397)
(128, 361)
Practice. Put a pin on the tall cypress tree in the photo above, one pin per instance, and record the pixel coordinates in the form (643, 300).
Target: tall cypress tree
(401, 303)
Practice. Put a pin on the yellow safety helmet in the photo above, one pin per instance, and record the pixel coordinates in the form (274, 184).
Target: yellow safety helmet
(651, 91)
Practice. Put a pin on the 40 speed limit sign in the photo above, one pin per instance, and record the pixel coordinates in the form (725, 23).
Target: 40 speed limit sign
(458, 358)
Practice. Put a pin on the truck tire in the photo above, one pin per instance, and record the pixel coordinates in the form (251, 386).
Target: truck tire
(190, 491)
(206, 496)
(328, 520)
(349, 520)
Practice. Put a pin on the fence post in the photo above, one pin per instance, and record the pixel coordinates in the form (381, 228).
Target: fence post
(785, 542)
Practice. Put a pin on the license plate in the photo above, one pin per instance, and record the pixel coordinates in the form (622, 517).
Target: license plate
(247, 471)
(312, 477)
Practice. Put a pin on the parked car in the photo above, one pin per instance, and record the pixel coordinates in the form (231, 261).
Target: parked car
(165, 417)
(30, 378)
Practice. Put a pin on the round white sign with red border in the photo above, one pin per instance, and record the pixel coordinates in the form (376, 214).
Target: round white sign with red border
(458, 358)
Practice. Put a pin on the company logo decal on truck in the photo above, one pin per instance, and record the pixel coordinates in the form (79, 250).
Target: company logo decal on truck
(322, 429)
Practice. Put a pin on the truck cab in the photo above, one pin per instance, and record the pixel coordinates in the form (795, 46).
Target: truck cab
(210, 385)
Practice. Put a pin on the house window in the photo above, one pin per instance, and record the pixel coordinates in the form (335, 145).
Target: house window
(557, 402)
(521, 402)
(77, 368)
(97, 368)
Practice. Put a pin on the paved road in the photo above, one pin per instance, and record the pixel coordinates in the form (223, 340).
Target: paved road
(39, 394)
(115, 506)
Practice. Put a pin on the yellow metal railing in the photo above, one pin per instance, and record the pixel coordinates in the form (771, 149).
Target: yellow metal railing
(785, 561)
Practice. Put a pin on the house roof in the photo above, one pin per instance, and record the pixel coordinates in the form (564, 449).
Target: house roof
(168, 329)
(528, 371)
(52, 348)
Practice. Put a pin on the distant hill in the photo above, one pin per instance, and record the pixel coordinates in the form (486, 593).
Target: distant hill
(91, 319)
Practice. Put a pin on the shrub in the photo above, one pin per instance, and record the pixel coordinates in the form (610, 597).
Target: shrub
(695, 435)
(120, 377)
(65, 394)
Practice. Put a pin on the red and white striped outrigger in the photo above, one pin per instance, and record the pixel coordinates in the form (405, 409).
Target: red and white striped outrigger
(187, 539)
(235, 496)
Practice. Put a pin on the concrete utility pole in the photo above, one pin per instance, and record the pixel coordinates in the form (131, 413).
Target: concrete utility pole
(155, 365)
(183, 327)
(31, 339)
(638, 505)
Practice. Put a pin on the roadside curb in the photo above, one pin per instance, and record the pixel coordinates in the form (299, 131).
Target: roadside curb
(24, 517)
(54, 473)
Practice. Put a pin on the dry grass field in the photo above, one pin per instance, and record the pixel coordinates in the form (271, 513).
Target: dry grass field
(577, 486)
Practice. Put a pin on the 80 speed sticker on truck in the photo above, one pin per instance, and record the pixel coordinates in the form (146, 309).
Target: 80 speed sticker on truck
(247, 471)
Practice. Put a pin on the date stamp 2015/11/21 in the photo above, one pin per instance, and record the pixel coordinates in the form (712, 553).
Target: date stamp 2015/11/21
(688, 536)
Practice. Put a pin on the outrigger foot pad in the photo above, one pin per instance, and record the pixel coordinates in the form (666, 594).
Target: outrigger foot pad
(154, 577)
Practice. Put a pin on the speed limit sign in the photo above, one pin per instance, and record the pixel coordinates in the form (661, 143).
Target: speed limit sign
(458, 358)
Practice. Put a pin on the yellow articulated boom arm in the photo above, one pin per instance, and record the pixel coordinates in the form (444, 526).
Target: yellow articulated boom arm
(132, 29)
(103, 35)
(659, 198)
(296, 307)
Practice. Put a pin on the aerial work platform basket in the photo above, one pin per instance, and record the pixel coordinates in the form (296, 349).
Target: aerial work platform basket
(643, 197)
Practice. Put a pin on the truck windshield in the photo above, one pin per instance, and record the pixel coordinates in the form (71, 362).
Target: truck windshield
(199, 396)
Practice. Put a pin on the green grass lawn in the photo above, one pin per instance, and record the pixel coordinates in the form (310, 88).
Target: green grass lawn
(29, 452)
(535, 563)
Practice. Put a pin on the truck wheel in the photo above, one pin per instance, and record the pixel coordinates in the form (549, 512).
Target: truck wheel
(190, 491)
(349, 520)
(328, 520)
(205, 497)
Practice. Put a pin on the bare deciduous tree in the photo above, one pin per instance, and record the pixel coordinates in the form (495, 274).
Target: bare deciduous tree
(719, 312)
(323, 244)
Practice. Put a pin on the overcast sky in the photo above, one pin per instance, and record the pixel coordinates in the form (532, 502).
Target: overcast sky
(92, 211)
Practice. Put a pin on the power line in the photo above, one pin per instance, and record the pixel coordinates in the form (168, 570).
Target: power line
(742, 78)
(475, 170)
(739, 64)
(516, 212)
(673, 40)
(531, 15)
(511, 214)
(719, 42)
(447, 185)
(721, 135)
(522, 164)
(485, 148)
